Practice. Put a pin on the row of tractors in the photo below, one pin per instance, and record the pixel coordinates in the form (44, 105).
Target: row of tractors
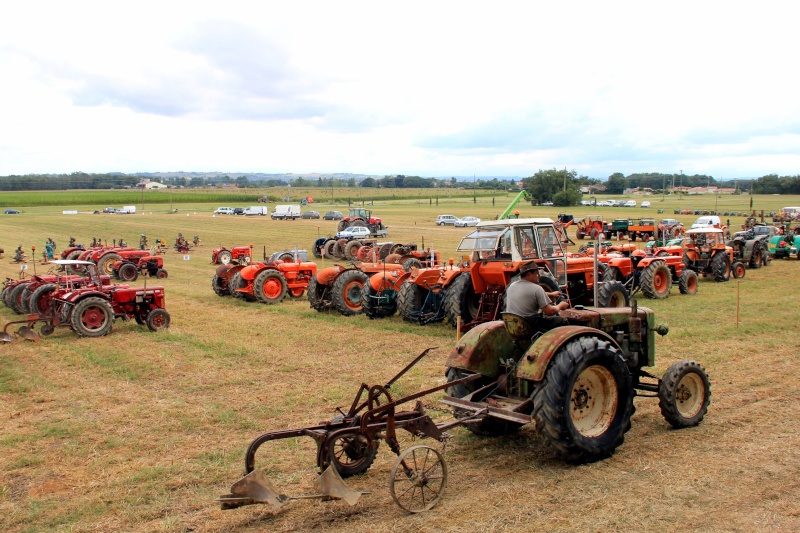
(87, 302)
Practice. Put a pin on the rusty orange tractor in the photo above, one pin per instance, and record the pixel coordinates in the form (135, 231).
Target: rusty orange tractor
(705, 252)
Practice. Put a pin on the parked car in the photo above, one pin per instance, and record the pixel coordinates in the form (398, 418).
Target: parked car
(548, 204)
(646, 204)
(223, 211)
(630, 203)
(310, 214)
(238, 210)
(354, 232)
(466, 222)
(12, 212)
(443, 220)
(332, 215)
(109, 210)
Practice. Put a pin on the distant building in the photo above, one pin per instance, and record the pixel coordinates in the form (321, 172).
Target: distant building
(147, 184)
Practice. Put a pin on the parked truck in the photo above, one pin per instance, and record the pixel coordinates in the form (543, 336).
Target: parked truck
(259, 210)
(286, 212)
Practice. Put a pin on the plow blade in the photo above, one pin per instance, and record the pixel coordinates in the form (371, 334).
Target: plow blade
(255, 488)
(28, 334)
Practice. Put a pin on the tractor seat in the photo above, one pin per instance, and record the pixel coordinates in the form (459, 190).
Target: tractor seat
(518, 327)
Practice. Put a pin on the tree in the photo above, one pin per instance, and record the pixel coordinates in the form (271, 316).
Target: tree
(545, 184)
(567, 198)
(616, 183)
(369, 182)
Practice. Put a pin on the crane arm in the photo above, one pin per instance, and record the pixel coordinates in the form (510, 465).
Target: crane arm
(522, 194)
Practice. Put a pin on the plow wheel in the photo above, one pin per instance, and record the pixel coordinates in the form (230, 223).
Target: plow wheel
(92, 317)
(687, 282)
(270, 286)
(721, 267)
(585, 403)
(316, 295)
(347, 292)
(684, 394)
(351, 250)
(351, 454)
(105, 263)
(128, 272)
(157, 319)
(418, 479)
(738, 270)
(656, 280)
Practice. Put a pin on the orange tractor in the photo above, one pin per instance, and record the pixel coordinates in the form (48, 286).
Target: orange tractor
(705, 252)
(268, 281)
(474, 291)
(590, 226)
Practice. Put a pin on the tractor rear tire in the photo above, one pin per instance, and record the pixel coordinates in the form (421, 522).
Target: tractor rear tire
(329, 248)
(584, 405)
(157, 319)
(15, 297)
(270, 286)
(656, 280)
(738, 270)
(92, 317)
(410, 299)
(128, 272)
(384, 251)
(358, 223)
(612, 294)
(316, 294)
(224, 257)
(24, 299)
(105, 263)
(408, 264)
(217, 286)
(721, 267)
(756, 256)
(40, 299)
(347, 292)
(460, 300)
(687, 282)
(684, 394)
(612, 274)
(342, 225)
(236, 282)
(378, 304)
(351, 250)
(489, 427)
(594, 234)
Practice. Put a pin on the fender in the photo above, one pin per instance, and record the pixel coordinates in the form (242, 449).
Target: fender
(647, 261)
(533, 364)
(482, 348)
(328, 274)
(77, 296)
(250, 272)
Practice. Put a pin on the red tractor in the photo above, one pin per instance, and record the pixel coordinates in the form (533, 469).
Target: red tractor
(361, 217)
(90, 310)
(129, 268)
(239, 254)
(106, 259)
(590, 226)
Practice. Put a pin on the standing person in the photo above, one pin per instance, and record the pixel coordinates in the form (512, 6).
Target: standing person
(527, 299)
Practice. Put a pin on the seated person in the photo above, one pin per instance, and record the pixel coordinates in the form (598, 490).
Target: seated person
(528, 300)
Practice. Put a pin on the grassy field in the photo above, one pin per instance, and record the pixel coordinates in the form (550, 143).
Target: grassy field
(140, 432)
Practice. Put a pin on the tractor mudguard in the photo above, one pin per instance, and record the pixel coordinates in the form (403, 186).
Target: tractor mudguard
(393, 278)
(328, 274)
(533, 364)
(482, 348)
(647, 261)
(250, 272)
(78, 295)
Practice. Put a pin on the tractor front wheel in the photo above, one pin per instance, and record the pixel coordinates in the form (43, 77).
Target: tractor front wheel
(410, 299)
(157, 319)
(687, 282)
(684, 394)
(270, 286)
(347, 292)
(460, 300)
(161, 274)
(316, 295)
(656, 280)
(738, 270)
(583, 407)
(92, 317)
(224, 257)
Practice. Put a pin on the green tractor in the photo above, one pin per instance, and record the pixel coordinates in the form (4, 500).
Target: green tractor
(576, 383)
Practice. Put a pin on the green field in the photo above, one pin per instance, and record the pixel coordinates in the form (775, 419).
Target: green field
(140, 432)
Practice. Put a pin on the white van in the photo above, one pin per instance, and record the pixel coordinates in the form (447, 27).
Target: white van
(646, 204)
(256, 210)
(286, 212)
(711, 221)
(630, 203)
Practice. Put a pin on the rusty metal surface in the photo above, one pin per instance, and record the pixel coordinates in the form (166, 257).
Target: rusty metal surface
(481, 349)
(534, 364)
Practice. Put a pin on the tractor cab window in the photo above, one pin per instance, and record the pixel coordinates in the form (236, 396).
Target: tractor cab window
(484, 243)
(548, 240)
(700, 239)
(527, 243)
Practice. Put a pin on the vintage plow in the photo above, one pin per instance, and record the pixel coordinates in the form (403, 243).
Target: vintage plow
(26, 328)
(347, 446)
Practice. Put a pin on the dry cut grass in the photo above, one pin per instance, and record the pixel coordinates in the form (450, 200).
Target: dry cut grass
(141, 432)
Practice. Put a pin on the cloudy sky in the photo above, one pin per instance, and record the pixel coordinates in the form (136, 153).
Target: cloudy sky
(434, 88)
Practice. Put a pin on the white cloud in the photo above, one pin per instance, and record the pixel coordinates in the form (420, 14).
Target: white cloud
(444, 88)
